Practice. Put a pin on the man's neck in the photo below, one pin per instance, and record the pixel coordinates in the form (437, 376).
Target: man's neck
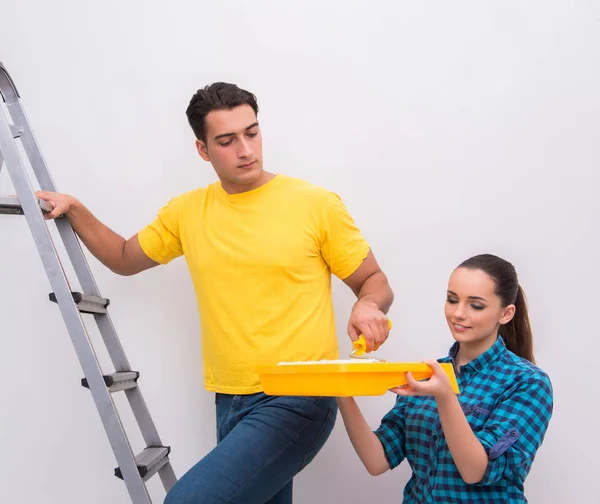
(230, 188)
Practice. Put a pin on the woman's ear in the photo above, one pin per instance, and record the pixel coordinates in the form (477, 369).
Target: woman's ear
(507, 314)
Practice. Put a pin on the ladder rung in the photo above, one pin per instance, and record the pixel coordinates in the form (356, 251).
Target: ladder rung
(86, 302)
(122, 380)
(10, 205)
(149, 461)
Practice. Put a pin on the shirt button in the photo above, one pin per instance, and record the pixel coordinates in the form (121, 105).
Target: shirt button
(513, 433)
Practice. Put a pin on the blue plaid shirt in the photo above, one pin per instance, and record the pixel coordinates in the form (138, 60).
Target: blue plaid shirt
(508, 402)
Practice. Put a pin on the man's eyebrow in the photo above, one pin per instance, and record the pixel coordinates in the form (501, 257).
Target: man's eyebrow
(222, 135)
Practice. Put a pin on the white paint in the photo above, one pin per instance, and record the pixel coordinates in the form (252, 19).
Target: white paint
(335, 361)
(449, 128)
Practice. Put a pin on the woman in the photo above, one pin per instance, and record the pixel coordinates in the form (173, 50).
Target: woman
(477, 446)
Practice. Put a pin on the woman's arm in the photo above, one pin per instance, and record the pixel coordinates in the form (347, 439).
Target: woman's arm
(364, 440)
(506, 446)
(467, 452)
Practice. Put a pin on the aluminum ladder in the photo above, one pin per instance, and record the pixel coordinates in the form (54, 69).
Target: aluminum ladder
(134, 470)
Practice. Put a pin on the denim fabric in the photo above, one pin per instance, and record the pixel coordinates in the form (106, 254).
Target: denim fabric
(262, 443)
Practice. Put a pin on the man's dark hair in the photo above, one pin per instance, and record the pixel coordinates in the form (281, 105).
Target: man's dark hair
(217, 96)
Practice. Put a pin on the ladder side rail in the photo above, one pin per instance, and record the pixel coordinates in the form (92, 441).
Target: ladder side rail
(84, 275)
(150, 434)
(75, 326)
(70, 240)
(8, 92)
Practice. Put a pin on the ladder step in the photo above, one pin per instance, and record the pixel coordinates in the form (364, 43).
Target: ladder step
(122, 380)
(86, 302)
(10, 205)
(149, 461)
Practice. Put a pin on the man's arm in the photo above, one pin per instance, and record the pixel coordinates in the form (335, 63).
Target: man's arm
(124, 257)
(375, 297)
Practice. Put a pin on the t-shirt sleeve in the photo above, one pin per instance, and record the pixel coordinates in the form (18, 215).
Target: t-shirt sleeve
(343, 247)
(161, 240)
(515, 430)
(391, 433)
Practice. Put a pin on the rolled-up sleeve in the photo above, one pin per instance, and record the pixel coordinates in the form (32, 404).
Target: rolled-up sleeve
(515, 430)
(391, 433)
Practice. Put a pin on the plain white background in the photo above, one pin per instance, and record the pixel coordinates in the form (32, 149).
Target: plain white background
(449, 129)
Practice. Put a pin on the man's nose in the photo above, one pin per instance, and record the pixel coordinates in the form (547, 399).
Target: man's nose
(244, 149)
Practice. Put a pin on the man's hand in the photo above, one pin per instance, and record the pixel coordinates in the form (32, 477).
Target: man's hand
(375, 297)
(61, 203)
(367, 319)
(437, 386)
(124, 257)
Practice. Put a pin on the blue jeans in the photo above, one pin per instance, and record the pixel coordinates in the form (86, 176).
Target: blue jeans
(262, 443)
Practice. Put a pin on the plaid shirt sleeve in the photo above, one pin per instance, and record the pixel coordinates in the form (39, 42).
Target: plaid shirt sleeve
(392, 435)
(516, 428)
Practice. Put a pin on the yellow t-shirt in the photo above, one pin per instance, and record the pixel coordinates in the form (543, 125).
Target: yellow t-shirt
(261, 264)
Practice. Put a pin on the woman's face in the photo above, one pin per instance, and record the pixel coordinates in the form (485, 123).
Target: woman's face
(473, 310)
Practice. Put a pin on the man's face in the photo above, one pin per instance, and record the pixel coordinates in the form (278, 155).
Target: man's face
(234, 148)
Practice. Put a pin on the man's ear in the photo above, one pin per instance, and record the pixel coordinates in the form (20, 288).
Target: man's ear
(202, 150)
(508, 314)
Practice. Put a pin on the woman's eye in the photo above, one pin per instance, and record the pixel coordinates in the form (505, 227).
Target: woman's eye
(451, 301)
(477, 307)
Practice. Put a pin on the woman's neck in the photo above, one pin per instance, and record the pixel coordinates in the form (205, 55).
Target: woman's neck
(470, 351)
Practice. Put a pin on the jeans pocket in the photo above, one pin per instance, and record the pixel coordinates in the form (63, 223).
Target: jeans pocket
(323, 433)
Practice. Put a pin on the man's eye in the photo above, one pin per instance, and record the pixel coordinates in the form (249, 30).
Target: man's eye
(252, 135)
(225, 144)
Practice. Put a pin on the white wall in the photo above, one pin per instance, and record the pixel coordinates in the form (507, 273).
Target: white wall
(449, 128)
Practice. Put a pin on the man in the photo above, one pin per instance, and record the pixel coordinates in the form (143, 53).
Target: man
(261, 249)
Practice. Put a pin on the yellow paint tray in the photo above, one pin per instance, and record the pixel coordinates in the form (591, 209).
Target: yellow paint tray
(350, 378)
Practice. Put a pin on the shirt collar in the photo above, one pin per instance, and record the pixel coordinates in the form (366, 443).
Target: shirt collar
(485, 359)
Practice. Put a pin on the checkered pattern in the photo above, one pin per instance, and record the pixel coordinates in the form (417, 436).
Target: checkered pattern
(508, 402)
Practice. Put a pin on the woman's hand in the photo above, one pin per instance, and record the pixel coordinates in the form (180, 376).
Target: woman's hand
(437, 386)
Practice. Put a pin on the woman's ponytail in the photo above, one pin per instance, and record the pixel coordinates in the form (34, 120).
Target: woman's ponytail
(516, 333)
